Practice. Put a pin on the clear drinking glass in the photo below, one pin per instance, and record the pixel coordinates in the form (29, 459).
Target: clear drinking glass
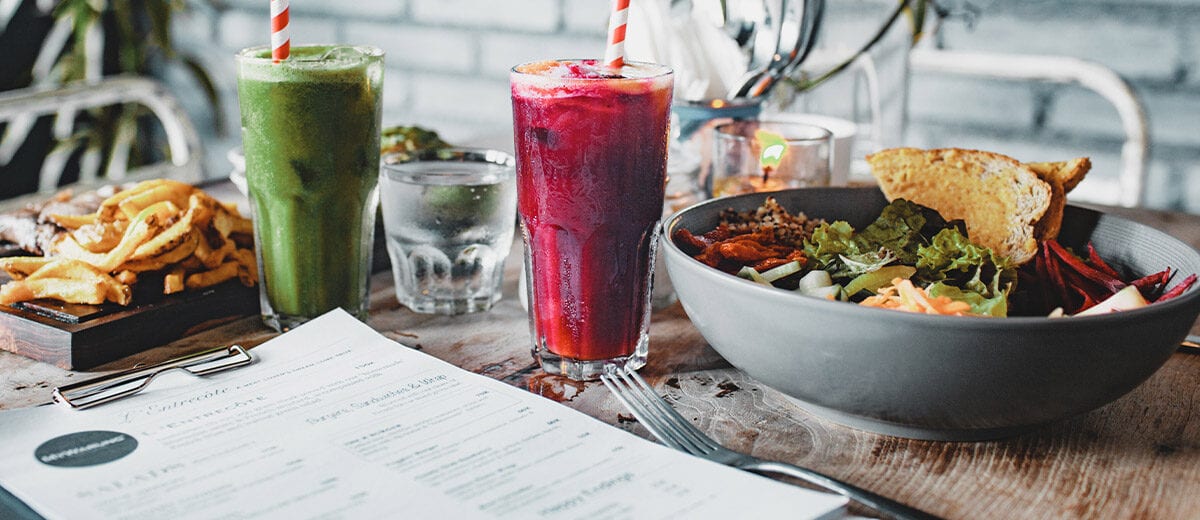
(751, 156)
(591, 168)
(449, 218)
(310, 131)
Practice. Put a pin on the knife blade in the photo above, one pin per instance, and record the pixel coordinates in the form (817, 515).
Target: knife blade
(1190, 344)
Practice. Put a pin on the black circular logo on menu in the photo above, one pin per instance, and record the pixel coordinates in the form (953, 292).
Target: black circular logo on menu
(76, 450)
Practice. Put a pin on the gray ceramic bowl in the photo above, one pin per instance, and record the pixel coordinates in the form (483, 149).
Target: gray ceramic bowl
(933, 377)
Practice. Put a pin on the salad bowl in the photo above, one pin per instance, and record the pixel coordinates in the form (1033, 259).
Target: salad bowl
(926, 376)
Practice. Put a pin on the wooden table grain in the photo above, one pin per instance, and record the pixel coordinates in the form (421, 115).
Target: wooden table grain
(1138, 457)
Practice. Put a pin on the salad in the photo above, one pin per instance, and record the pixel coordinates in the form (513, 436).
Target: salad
(912, 259)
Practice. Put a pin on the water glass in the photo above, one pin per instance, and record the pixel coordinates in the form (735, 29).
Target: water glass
(449, 217)
(793, 155)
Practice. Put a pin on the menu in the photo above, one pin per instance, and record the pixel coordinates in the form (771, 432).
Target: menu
(333, 420)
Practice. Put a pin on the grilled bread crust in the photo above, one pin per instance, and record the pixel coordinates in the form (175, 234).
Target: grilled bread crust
(1000, 199)
(1062, 176)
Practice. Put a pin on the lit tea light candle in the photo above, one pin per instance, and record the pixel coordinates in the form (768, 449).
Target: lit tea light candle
(754, 156)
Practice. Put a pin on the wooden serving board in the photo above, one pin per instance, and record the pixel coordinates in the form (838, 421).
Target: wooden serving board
(79, 337)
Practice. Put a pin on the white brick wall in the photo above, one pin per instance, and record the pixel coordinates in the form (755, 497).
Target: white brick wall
(419, 48)
(990, 103)
(448, 61)
(500, 51)
(237, 30)
(521, 15)
(586, 16)
(1136, 47)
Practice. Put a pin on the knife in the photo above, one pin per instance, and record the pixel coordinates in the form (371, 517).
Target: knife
(1191, 344)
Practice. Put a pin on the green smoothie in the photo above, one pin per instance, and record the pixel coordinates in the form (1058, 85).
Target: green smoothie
(310, 130)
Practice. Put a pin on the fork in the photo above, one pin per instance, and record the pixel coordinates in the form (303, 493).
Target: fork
(673, 430)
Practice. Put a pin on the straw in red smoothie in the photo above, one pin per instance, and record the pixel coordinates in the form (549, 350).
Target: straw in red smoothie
(614, 54)
(281, 43)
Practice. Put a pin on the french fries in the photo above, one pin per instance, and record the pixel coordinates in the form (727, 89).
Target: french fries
(173, 280)
(68, 269)
(163, 226)
(64, 289)
(20, 267)
(72, 221)
(223, 272)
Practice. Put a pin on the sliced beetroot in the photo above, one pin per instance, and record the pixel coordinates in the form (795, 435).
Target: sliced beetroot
(1178, 289)
(1112, 283)
(1152, 285)
(1099, 263)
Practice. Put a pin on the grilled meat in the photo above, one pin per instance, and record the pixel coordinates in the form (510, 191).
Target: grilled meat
(28, 230)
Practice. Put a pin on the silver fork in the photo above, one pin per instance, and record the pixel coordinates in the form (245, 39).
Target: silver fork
(673, 430)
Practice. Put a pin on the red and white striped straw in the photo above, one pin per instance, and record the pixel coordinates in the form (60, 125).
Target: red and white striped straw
(614, 54)
(281, 42)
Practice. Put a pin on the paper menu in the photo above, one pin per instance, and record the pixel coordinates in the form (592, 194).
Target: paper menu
(337, 421)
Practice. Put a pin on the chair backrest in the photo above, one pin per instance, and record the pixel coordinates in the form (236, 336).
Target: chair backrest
(20, 108)
(1129, 188)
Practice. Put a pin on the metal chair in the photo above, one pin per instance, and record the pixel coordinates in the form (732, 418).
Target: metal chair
(20, 108)
(1129, 188)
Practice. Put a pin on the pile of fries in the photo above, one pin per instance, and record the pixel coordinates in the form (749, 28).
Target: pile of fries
(161, 226)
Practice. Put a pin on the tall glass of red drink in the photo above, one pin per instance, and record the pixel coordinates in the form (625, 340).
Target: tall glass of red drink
(591, 147)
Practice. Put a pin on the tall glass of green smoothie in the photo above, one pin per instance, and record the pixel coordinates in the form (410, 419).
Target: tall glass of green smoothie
(310, 130)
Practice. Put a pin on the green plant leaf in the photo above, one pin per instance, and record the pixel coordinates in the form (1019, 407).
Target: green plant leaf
(160, 25)
(129, 51)
(83, 21)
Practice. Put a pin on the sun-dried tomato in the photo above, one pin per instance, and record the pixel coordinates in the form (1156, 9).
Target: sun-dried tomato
(744, 250)
(689, 243)
(769, 263)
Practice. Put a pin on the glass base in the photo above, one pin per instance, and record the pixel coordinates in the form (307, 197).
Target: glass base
(286, 322)
(589, 369)
(450, 306)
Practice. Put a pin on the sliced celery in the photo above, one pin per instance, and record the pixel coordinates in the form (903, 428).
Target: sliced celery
(749, 273)
(781, 271)
(873, 280)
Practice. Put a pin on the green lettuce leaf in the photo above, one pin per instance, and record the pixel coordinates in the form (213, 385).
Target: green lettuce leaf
(953, 258)
(996, 306)
(977, 274)
(898, 230)
(830, 240)
(908, 234)
(894, 237)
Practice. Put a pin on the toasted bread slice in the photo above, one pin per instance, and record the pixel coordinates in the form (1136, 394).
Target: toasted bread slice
(1067, 173)
(999, 198)
(1062, 176)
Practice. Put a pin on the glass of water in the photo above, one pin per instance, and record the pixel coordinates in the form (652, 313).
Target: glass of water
(449, 217)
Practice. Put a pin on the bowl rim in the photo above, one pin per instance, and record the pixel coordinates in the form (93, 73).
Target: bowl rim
(785, 297)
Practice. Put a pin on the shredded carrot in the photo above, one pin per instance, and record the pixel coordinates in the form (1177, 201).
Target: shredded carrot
(904, 296)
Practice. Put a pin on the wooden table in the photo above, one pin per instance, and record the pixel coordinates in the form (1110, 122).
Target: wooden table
(1138, 457)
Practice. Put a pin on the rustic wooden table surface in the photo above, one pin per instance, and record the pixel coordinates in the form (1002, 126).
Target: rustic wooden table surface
(1138, 457)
